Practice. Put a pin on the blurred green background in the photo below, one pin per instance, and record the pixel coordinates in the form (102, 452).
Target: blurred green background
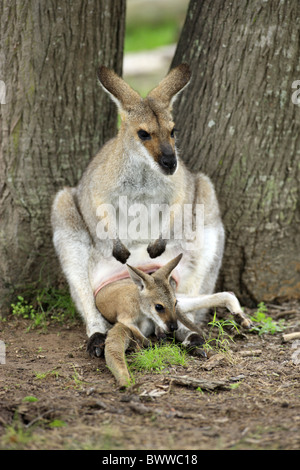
(152, 30)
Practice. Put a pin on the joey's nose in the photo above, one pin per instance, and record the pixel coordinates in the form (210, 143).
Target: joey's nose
(172, 326)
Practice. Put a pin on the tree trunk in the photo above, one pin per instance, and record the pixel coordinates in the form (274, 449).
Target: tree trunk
(239, 125)
(55, 119)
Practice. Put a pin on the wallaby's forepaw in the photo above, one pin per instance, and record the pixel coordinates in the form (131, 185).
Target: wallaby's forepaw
(156, 248)
(95, 345)
(162, 337)
(120, 252)
(194, 344)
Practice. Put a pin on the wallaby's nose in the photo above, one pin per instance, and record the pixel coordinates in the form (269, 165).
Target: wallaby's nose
(172, 326)
(169, 163)
(168, 160)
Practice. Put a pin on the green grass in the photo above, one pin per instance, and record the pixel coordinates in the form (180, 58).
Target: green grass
(218, 337)
(57, 304)
(160, 357)
(157, 358)
(23, 309)
(264, 324)
(150, 36)
(45, 305)
(30, 399)
(57, 423)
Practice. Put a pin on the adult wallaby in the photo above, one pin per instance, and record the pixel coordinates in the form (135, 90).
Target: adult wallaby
(141, 163)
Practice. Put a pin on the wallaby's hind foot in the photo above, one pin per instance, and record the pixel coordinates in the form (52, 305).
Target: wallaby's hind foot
(117, 341)
(95, 345)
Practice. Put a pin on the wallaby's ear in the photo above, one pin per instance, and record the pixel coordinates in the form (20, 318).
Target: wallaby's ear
(171, 85)
(120, 92)
(165, 271)
(140, 278)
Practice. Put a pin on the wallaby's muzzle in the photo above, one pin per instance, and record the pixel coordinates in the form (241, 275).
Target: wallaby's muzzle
(167, 160)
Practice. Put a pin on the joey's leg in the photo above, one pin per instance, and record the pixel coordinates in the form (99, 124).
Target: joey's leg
(221, 299)
(160, 334)
(73, 246)
(186, 305)
(139, 335)
(117, 341)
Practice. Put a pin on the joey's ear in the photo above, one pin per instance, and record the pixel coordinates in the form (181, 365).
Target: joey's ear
(171, 85)
(140, 278)
(120, 92)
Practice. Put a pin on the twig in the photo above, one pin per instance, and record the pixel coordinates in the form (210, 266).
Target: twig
(250, 353)
(284, 313)
(201, 383)
(140, 408)
(38, 418)
(277, 307)
(290, 336)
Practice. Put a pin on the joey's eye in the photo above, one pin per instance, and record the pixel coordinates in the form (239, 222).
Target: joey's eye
(144, 135)
(159, 308)
(176, 303)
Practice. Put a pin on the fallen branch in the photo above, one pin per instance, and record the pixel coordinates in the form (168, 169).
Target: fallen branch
(284, 313)
(278, 307)
(290, 336)
(201, 383)
(38, 418)
(250, 353)
(142, 410)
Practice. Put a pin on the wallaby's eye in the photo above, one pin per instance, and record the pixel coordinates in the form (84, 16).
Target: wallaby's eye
(159, 308)
(144, 135)
(173, 132)
(175, 303)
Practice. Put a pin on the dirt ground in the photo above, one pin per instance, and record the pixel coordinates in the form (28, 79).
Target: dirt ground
(78, 406)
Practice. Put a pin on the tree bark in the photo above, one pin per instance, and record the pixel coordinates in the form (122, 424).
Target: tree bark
(55, 119)
(239, 125)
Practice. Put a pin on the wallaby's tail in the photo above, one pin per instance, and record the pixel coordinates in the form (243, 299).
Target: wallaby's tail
(117, 341)
(186, 322)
